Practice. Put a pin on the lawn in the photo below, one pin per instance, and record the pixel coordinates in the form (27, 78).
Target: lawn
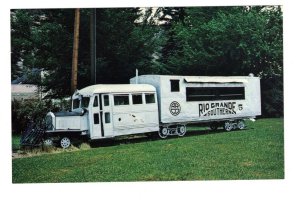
(254, 153)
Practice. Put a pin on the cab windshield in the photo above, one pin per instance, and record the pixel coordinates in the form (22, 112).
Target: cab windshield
(82, 102)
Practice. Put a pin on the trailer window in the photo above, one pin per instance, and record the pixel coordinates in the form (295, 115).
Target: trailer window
(121, 100)
(174, 85)
(214, 93)
(137, 99)
(150, 98)
(106, 100)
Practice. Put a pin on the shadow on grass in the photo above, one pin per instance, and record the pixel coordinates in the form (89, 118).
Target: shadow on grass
(121, 140)
(153, 137)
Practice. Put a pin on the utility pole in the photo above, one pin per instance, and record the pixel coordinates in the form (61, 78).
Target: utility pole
(75, 51)
(93, 45)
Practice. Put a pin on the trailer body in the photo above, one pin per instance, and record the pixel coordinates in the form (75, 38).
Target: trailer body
(190, 99)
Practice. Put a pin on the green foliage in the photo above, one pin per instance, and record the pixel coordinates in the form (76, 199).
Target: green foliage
(26, 111)
(230, 41)
(123, 45)
(173, 40)
(272, 96)
(254, 153)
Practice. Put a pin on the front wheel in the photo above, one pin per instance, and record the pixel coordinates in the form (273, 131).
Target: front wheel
(48, 142)
(65, 142)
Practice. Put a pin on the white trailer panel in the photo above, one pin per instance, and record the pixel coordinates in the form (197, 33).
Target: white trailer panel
(185, 99)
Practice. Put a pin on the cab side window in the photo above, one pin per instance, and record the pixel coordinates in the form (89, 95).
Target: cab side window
(137, 99)
(150, 98)
(106, 100)
(95, 104)
(121, 100)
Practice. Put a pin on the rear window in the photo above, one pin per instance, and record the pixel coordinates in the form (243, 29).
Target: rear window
(150, 98)
(174, 85)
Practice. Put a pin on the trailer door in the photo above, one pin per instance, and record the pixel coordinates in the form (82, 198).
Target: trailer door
(106, 104)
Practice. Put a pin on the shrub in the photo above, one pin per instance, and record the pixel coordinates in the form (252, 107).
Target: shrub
(24, 111)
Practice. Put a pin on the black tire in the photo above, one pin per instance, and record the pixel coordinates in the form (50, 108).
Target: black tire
(163, 132)
(214, 126)
(241, 124)
(181, 130)
(228, 126)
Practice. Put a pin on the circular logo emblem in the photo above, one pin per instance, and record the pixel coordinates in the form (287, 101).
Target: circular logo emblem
(174, 108)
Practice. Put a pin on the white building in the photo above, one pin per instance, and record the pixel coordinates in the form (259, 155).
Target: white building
(24, 91)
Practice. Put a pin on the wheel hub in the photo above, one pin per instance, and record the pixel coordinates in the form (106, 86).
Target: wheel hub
(65, 142)
(48, 142)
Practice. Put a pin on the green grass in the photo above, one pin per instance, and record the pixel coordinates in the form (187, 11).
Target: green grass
(254, 153)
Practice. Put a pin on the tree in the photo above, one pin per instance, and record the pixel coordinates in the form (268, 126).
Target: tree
(123, 44)
(231, 41)
(170, 40)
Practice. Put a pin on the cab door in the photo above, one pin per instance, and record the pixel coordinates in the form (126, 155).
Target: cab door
(95, 116)
(107, 122)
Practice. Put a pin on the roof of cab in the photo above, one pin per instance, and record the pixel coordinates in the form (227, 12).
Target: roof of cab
(115, 88)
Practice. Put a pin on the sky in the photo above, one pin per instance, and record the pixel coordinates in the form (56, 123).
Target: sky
(256, 189)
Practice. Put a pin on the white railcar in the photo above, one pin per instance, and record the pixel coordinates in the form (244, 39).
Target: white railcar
(105, 111)
(156, 103)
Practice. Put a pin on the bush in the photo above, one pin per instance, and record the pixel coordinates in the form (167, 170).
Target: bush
(272, 96)
(24, 111)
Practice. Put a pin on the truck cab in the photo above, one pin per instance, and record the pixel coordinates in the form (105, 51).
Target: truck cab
(105, 111)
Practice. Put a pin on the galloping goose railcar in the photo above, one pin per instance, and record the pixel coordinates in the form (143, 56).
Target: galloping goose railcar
(156, 103)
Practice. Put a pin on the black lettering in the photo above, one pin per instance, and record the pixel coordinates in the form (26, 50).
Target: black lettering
(200, 109)
(233, 105)
(226, 105)
(207, 106)
(229, 105)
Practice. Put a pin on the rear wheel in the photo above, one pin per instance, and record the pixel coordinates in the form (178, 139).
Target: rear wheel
(228, 126)
(181, 130)
(65, 142)
(163, 132)
(241, 125)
